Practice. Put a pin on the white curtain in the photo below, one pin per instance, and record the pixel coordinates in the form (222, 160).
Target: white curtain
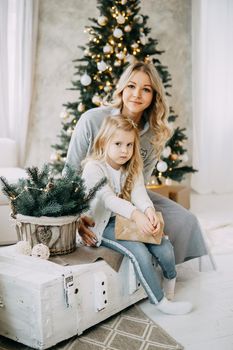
(212, 61)
(18, 64)
(4, 106)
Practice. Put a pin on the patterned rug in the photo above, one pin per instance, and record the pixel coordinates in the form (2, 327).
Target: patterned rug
(131, 329)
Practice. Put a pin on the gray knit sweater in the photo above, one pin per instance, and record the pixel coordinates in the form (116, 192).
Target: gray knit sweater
(88, 127)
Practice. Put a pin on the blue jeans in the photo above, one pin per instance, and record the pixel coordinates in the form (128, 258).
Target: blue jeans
(141, 256)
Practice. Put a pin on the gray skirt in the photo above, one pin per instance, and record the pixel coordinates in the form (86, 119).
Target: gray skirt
(182, 227)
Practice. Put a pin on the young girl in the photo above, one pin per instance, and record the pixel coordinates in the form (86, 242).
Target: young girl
(116, 155)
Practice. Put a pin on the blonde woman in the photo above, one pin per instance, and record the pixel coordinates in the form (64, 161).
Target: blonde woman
(116, 155)
(141, 97)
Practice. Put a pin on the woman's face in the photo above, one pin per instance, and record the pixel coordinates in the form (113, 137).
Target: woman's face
(137, 95)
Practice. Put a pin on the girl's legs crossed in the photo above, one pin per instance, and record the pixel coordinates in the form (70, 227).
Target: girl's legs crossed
(164, 254)
(141, 259)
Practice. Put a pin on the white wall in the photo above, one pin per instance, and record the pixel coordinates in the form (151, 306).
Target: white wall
(61, 25)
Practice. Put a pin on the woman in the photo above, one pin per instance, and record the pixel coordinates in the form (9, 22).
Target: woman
(140, 96)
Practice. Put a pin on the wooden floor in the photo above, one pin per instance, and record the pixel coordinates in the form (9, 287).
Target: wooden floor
(210, 325)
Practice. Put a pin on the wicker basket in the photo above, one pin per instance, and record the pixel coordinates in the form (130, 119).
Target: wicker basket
(58, 233)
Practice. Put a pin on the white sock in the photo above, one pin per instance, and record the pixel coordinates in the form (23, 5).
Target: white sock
(174, 308)
(169, 288)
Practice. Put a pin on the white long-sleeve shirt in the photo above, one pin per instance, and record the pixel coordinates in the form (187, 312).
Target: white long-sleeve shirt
(106, 200)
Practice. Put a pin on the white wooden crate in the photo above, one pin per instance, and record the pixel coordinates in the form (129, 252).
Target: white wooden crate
(43, 303)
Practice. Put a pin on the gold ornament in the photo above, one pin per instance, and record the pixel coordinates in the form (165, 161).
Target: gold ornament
(102, 20)
(174, 156)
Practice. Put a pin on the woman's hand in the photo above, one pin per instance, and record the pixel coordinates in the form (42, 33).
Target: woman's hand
(88, 237)
(151, 215)
(142, 221)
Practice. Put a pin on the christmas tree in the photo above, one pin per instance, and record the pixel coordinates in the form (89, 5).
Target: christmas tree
(118, 37)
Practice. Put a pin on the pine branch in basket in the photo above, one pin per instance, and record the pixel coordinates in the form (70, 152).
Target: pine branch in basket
(41, 195)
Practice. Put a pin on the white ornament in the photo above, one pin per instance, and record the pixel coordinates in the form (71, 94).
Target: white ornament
(69, 131)
(138, 19)
(107, 48)
(117, 63)
(143, 39)
(23, 247)
(134, 45)
(102, 20)
(168, 182)
(123, 2)
(101, 66)
(86, 52)
(107, 88)
(64, 114)
(55, 157)
(85, 80)
(40, 251)
(128, 28)
(120, 55)
(166, 152)
(81, 107)
(120, 19)
(96, 99)
(161, 166)
(130, 58)
(118, 33)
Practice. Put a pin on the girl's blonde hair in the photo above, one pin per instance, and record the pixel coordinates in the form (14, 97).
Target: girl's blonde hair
(156, 114)
(99, 150)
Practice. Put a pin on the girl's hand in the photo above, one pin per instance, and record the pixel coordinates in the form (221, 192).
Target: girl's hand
(151, 215)
(143, 223)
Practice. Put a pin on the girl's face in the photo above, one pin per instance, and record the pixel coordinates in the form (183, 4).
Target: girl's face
(120, 148)
(137, 95)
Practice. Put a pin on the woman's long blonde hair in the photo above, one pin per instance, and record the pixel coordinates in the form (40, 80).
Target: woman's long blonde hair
(157, 113)
(99, 149)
